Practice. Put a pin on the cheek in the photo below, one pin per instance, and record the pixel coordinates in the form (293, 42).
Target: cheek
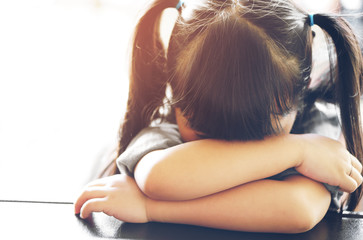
(288, 121)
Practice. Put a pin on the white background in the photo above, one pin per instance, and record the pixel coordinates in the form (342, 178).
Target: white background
(63, 88)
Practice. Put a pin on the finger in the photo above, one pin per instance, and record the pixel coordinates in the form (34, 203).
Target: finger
(357, 177)
(90, 193)
(106, 181)
(348, 185)
(98, 182)
(356, 164)
(92, 205)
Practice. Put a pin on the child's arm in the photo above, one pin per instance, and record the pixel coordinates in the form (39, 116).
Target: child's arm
(291, 206)
(200, 168)
(294, 205)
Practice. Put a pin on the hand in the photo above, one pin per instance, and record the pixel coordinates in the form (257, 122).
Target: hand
(116, 196)
(328, 161)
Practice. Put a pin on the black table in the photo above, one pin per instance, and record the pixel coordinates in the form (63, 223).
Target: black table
(42, 220)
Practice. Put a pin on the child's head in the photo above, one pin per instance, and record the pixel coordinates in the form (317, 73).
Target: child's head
(235, 67)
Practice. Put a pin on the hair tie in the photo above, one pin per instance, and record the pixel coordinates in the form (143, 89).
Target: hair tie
(179, 5)
(311, 18)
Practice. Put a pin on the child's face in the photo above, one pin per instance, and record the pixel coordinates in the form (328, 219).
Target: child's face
(188, 134)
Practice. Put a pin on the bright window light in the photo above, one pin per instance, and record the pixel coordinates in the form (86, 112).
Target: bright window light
(352, 4)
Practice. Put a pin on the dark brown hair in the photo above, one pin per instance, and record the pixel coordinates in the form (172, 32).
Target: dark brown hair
(231, 65)
(347, 85)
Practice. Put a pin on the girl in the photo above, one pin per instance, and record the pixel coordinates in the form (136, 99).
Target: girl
(213, 130)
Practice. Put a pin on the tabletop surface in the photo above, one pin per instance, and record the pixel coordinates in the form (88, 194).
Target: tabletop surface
(41, 220)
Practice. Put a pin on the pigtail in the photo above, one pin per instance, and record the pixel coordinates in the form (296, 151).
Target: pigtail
(348, 84)
(147, 73)
(148, 78)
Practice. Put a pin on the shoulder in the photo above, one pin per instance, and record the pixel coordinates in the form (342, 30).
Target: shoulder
(159, 132)
(155, 137)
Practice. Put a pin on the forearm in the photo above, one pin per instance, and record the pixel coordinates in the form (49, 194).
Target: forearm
(289, 206)
(204, 167)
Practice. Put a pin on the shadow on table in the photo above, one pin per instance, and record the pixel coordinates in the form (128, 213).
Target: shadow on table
(101, 226)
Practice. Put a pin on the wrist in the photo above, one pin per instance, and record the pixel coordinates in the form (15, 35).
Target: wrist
(292, 148)
(148, 209)
(160, 211)
(298, 142)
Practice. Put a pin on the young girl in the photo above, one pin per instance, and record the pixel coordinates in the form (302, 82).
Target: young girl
(216, 129)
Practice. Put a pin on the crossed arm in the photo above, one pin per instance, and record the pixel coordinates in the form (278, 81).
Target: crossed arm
(229, 196)
(200, 168)
(291, 206)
